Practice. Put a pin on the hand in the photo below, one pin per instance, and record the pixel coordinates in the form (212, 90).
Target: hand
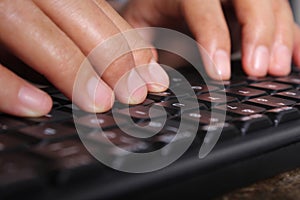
(269, 36)
(54, 37)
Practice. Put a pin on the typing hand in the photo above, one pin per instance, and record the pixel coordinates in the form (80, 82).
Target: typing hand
(269, 36)
(53, 38)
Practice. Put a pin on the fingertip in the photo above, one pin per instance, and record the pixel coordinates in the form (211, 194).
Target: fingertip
(158, 80)
(257, 63)
(222, 65)
(34, 102)
(131, 88)
(218, 66)
(281, 62)
(138, 96)
(100, 95)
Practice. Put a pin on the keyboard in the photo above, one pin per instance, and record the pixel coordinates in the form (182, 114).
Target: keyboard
(224, 135)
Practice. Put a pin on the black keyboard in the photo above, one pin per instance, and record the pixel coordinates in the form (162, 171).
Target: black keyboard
(247, 129)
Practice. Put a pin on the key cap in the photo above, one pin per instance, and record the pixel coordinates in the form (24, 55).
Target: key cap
(214, 99)
(53, 116)
(68, 160)
(271, 102)
(49, 131)
(252, 123)
(297, 105)
(102, 121)
(241, 109)
(120, 139)
(271, 87)
(202, 89)
(196, 89)
(292, 80)
(245, 93)
(8, 123)
(118, 105)
(168, 135)
(229, 84)
(174, 107)
(161, 96)
(170, 139)
(139, 113)
(253, 79)
(10, 142)
(205, 117)
(283, 114)
(228, 131)
(290, 94)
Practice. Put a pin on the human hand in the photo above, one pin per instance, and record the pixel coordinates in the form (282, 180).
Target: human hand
(54, 37)
(269, 36)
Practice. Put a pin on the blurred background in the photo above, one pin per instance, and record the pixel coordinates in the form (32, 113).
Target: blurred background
(296, 7)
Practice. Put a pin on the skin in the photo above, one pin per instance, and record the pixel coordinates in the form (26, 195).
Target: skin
(54, 37)
(269, 36)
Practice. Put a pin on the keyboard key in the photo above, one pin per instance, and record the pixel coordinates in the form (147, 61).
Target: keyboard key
(168, 135)
(119, 139)
(53, 116)
(245, 93)
(68, 160)
(271, 87)
(290, 94)
(49, 131)
(173, 139)
(10, 142)
(8, 123)
(214, 99)
(229, 84)
(227, 130)
(139, 113)
(161, 96)
(252, 123)
(253, 79)
(118, 105)
(102, 121)
(201, 89)
(195, 88)
(173, 107)
(293, 80)
(205, 117)
(271, 102)
(283, 114)
(241, 109)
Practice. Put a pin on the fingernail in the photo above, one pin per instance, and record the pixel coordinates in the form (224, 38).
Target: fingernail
(260, 61)
(34, 101)
(283, 57)
(221, 65)
(159, 78)
(137, 90)
(100, 95)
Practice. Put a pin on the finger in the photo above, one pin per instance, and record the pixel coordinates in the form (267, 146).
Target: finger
(21, 98)
(115, 71)
(258, 28)
(284, 39)
(145, 59)
(207, 22)
(43, 46)
(296, 47)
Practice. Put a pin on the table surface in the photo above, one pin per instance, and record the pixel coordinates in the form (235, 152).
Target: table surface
(282, 186)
